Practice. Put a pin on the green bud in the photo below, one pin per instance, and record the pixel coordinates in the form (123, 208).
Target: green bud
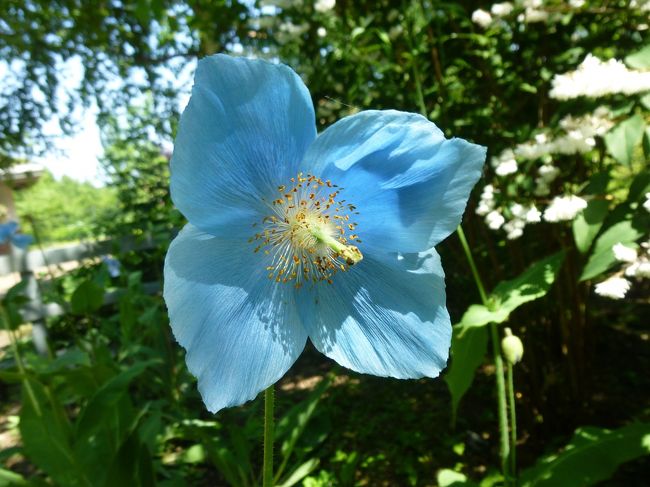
(513, 349)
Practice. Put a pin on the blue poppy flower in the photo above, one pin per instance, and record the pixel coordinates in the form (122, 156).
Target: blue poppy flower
(9, 232)
(294, 236)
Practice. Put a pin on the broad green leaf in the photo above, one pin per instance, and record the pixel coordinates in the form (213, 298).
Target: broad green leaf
(468, 348)
(639, 187)
(532, 284)
(645, 101)
(47, 436)
(602, 257)
(592, 455)
(11, 479)
(301, 472)
(623, 139)
(88, 297)
(450, 478)
(587, 224)
(103, 403)
(639, 59)
(479, 315)
(292, 425)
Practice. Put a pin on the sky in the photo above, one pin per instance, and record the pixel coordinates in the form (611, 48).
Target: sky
(77, 155)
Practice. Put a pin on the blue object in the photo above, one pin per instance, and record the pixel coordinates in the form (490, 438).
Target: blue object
(293, 235)
(8, 232)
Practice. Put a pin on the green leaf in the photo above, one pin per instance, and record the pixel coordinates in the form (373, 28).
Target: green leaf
(645, 101)
(587, 224)
(11, 479)
(46, 435)
(639, 59)
(468, 348)
(293, 424)
(450, 478)
(602, 257)
(639, 187)
(103, 403)
(88, 297)
(592, 455)
(301, 472)
(623, 139)
(532, 284)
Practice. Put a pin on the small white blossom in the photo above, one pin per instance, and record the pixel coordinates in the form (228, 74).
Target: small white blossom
(646, 203)
(321, 31)
(482, 18)
(595, 78)
(514, 228)
(564, 208)
(486, 203)
(614, 287)
(640, 268)
(623, 253)
(533, 215)
(576, 3)
(494, 219)
(532, 15)
(505, 163)
(502, 9)
(323, 6)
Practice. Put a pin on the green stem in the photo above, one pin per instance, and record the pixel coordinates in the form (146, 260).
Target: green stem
(472, 265)
(19, 361)
(504, 451)
(498, 362)
(513, 423)
(267, 471)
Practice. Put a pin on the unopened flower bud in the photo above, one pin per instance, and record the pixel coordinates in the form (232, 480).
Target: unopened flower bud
(513, 349)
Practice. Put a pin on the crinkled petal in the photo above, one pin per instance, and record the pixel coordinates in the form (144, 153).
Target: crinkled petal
(245, 130)
(241, 331)
(409, 184)
(385, 319)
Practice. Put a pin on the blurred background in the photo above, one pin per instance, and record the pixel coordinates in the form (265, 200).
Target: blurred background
(94, 390)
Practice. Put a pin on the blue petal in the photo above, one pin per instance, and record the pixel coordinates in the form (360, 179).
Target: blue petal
(409, 184)
(21, 241)
(7, 230)
(385, 319)
(246, 128)
(241, 330)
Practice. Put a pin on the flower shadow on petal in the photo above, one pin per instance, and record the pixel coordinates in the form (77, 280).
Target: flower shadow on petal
(387, 320)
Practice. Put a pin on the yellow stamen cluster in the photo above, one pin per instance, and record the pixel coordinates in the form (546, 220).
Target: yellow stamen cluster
(305, 235)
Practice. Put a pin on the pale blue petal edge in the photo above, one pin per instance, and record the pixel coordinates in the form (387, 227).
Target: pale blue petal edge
(410, 185)
(383, 318)
(245, 130)
(241, 331)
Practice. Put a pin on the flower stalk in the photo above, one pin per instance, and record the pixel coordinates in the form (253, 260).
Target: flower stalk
(504, 450)
(267, 469)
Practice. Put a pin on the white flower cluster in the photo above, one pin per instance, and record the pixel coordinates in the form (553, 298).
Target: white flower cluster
(564, 208)
(614, 287)
(521, 216)
(484, 18)
(637, 266)
(546, 174)
(646, 203)
(323, 6)
(578, 137)
(596, 78)
(533, 12)
(505, 163)
(494, 219)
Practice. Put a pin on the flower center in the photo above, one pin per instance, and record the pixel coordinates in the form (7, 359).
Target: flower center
(308, 232)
